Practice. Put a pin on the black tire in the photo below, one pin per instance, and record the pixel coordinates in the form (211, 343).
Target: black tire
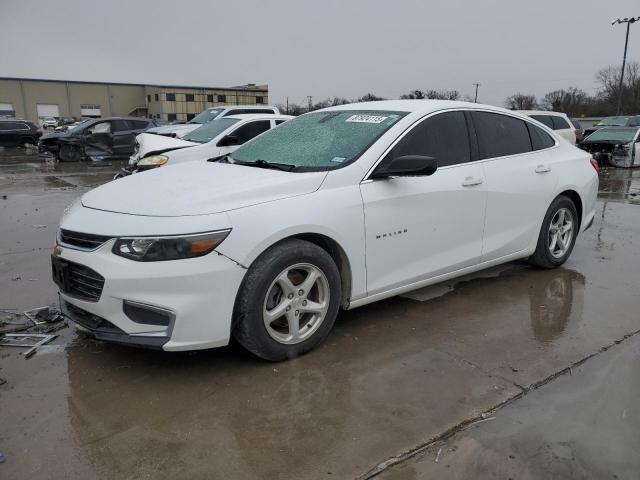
(248, 325)
(69, 153)
(543, 257)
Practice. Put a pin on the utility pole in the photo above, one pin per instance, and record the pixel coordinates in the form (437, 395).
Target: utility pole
(475, 100)
(287, 105)
(310, 97)
(628, 21)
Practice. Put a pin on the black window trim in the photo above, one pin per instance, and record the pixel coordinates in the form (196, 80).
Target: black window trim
(472, 139)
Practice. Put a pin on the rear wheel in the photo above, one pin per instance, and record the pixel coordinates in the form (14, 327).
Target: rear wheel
(69, 153)
(557, 234)
(288, 301)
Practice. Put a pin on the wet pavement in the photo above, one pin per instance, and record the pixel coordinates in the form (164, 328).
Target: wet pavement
(394, 381)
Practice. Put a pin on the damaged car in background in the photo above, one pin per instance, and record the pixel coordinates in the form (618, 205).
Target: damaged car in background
(616, 146)
(99, 138)
(211, 140)
(180, 129)
(620, 121)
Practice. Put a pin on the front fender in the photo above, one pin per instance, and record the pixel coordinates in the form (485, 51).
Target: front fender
(334, 213)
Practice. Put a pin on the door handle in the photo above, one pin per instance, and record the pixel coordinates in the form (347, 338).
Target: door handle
(543, 169)
(471, 182)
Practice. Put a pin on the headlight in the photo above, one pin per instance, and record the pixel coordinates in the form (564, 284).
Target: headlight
(155, 249)
(153, 161)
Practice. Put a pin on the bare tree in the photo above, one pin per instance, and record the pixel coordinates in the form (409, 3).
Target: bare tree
(520, 101)
(572, 101)
(431, 94)
(608, 80)
(369, 97)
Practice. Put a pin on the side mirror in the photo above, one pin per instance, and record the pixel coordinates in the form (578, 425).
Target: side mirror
(228, 141)
(407, 166)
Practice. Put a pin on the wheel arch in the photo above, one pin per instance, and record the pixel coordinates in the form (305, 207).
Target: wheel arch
(333, 248)
(574, 196)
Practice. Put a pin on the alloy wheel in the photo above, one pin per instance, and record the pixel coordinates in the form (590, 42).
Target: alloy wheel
(296, 303)
(560, 233)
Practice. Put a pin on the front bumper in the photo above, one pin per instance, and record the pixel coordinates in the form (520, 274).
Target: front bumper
(198, 294)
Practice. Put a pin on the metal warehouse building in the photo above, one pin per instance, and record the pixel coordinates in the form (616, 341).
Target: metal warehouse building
(33, 99)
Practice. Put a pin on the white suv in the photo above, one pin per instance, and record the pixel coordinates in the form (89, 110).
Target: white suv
(557, 121)
(209, 114)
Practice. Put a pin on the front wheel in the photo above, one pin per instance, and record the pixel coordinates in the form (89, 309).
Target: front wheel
(557, 234)
(69, 153)
(288, 301)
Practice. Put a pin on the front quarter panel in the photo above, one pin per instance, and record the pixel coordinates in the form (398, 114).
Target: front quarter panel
(335, 212)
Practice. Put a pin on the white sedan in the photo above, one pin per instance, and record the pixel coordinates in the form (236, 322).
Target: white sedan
(214, 139)
(335, 209)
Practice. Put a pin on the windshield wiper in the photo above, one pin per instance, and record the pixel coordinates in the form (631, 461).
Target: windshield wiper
(286, 167)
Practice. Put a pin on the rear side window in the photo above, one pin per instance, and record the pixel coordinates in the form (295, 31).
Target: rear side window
(559, 123)
(539, 138)
(138, 124)
(544, 119)
(444, 137)
(119, 126)
(252, 129)
(500, 135)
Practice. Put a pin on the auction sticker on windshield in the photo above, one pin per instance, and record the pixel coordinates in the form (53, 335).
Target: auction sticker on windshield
(366, 119)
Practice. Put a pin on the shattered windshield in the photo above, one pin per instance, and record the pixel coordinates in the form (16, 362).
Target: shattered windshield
(209, 131)
(206, 116)
(319, 140)
(612, 122)
(610, 134)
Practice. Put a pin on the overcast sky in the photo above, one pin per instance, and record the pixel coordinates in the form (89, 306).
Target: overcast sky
(323, 48)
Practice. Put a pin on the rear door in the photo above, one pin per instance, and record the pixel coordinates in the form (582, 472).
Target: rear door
(424, 226)
(519, 167)
(124, 134)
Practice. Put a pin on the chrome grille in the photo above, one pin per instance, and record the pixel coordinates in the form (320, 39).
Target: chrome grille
(81, 241)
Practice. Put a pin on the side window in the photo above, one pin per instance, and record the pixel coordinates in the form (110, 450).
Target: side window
(539, 138)
(138, 124)
(278, 122)
(249, 130)
(500, 135)
(544, 119)
(559, 123)
(119, 126)
(444, 137)
(101, 127)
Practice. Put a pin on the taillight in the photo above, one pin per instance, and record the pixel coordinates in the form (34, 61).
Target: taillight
(594, 164)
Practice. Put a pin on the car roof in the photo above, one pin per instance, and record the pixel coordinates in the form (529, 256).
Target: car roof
(240, 106)
(266, 116)
(416, 106)
(541, 112)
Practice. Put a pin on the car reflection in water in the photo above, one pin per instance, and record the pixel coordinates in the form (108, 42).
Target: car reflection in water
(133, 411)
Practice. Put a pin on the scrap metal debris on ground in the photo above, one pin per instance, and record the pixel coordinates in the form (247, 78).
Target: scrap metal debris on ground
(38, 323)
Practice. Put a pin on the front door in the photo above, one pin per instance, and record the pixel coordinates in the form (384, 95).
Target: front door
(425, 226)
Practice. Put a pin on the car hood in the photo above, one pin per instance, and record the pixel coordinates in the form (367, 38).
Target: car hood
(180, 130)
(50, 136)
(199, 188)
(154, 144)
